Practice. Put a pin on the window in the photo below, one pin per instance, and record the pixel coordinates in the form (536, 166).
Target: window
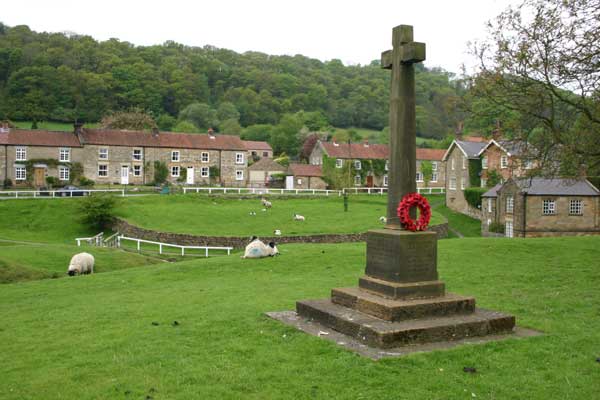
(434, 177)
(239, 158)
(434, 166)
(239, 175)
(528, 164)
(464, 163)
(576, 207)
(204, 172)
(137, 170)
(63, 173)
(462, 183)
(299, 181)
(484, 163)
(102, 170)
(64, 155)
(21, 154)
(452, 164)
(508, 229)
(137, 154)
(387, 165)
(483, 182)
(339, 163)
(419, 176)
(357, 180)
(385, 180)
(548, 207)
(265, 154)
(490, 201)
(175, 171)
(103, 154)
(357, 165)
(20, 173)
(452, 184)
(175, 156)
(204, 156)
(503, 162)
(510, 204)
(489, 222)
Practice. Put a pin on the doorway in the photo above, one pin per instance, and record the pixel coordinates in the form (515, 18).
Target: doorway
(189, 178)
(124, 175)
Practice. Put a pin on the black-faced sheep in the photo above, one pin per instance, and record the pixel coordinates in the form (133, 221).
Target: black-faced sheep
(82, 263)
(257, 249)
(298, 217)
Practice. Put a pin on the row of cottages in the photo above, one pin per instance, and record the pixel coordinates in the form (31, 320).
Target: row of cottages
(535, 207)
(363, 157)
(257, 150)
(483, 158)
(29, 157)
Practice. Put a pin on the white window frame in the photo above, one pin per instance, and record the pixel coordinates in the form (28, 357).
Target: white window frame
(576, 207)
(483, 182)
(419, 176)
(385, 180)
(548, 207)
(462, 183)
(103, 153)
(64, 154)
(204, 172)
(357, 180)
(175, 171)
(63, 173)
(204, 156)
(239, 174)
(175, 156)
(452, 164)
(510, 204)
(21, 154)
(139, 170)
(387, 165)
(239, 159)
(357, 165)
(20, 173)
(504, 161)
(103, 174)
(484, 162)
(434, 177)
(452, 183)
(137, 157)
(339, 163)
(464, 163)
(490, 202)
(508, 229)
(299, 181)
(434, 166)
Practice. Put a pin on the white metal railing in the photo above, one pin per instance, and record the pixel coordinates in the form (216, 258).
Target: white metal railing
(34, 194)
(382, 190)
(161, 245)
(224, 190)
(94, 240)
(111, 241)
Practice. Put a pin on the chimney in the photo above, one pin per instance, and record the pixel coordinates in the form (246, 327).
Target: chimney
(458, 133)
(497, 132)
(335, 143)
(155, 132)
(211, 133)
(77, 127)
(366, 143)
(5, 127)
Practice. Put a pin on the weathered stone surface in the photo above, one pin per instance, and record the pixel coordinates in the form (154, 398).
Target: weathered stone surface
(395, 290)
(398, 310)
(384, 334)
(402, 256)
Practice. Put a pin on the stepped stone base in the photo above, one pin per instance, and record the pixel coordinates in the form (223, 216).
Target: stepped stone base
(385, 334)
(397, 290)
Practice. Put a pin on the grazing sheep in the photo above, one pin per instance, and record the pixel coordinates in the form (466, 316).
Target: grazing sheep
(82, 263)
(266, 203)
(298, 217)
(257, 249)
(252, 213)
(383, 220)
(277, 232)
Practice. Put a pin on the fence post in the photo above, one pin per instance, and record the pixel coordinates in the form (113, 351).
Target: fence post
(206, 252)
(182, 251)
(138, 245)
(160, 249)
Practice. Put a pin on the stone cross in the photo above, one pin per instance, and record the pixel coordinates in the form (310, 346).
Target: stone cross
(403, 126)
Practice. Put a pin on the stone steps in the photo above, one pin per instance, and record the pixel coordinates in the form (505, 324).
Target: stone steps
(386, 334)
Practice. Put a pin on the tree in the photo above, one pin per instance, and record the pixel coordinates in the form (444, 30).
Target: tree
(260, 132)
(427, 171)
(541, 64)
(98, 211)
(227, 110)
(230, 127)
(200, 114)
(285, 136)
(165, 122)
(136, 119)
(185, 126)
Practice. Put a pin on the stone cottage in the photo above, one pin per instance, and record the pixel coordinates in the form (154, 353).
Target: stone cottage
(257, 149)
(506, 159)
(305, 176)
(536, 207)
(263, 173)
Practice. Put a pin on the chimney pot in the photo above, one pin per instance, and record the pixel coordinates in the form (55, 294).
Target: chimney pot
(77, 126)
(155, 132)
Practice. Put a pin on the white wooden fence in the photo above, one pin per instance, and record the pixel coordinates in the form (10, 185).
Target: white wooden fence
(161, 245)
(45, 194)
(225, 190)
(382, 190)
(94, 240)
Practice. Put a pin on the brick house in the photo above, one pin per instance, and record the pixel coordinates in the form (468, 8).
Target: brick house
(260, 174)
(358, 153)
(257, 150)
(305, 176)
(505, 157)
(457, 172)
(539, 207)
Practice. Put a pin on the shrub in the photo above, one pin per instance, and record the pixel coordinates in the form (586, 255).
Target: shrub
(496, 227)
(98, 211)
(160, 172)
(83, 181)
(473, 196)
(493, 179)
(52, 181)
(7, 183)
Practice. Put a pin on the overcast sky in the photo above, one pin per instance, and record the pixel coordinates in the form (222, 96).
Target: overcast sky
(352, 31)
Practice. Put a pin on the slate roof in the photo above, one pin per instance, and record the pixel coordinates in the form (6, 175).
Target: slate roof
(257, 145)
(305, 170)
(362, 151)
(470, 148)
(557, 187)
(266, 164)
(512, 147)
(26, 137)
(163, 139)
(493, 192)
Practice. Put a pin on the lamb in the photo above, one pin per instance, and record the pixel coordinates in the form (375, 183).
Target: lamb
(383, 220)
(82, 263)
(266, 203)
(277, 232)
(257, 249)
(298, 217)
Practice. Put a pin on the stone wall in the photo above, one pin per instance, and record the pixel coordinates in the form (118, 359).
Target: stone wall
(3, 169)
(309, 182)
(455, 198)
(130, 230)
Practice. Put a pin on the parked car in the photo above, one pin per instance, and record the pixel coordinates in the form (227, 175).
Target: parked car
(70, 191)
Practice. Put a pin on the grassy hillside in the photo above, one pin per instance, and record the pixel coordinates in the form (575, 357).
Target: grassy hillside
(93, 337)
(51, 126)
(20, 262)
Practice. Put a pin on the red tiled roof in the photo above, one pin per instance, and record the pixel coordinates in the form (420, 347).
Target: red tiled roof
(163, 139)
(305, 170)
(257, 145)
(3, 137)
(374, 151)
(266, 164)
(26, 137)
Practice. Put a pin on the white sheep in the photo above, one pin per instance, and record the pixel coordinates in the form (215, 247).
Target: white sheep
(383, 220)
(257, 249)
(82, 263)
(298, 217)
(266, 203)
(252, 213)
(277, 232)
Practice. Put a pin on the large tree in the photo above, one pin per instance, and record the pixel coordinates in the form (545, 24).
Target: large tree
(540, 66)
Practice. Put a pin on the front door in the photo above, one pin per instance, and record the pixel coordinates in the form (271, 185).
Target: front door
(370, 181)
(508, 229)
(289, 182)
(190, 176)
(124, 175)
(39, 177)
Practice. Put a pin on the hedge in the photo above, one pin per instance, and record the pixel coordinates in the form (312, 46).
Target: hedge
(473, 196)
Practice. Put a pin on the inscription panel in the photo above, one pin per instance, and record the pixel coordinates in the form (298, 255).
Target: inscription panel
(402, 256)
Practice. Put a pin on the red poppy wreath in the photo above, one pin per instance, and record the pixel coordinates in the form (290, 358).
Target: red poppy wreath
(414, 200)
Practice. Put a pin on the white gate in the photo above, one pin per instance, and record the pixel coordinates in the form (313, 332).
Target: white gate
(124, 175)
(289, 182)
(190, 176)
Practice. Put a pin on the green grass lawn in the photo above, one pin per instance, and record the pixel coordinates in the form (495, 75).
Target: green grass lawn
(467, 226)
(92, 337)
(202, 215)
(20, 262)
(52, 126)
